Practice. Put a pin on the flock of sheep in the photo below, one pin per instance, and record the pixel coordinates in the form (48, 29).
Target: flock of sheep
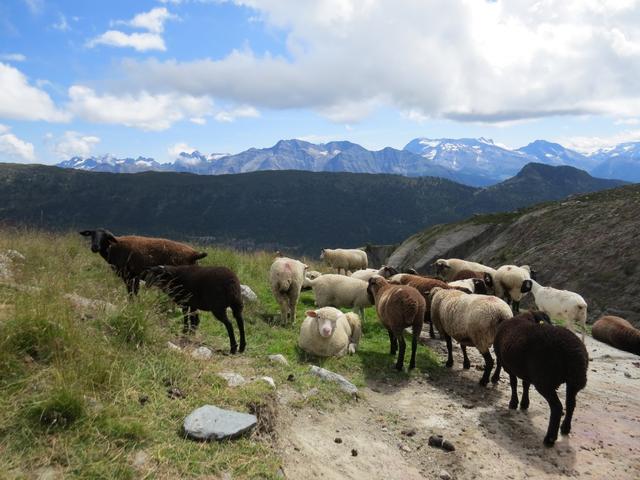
(471, 303)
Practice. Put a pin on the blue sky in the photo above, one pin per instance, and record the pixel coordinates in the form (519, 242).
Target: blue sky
(152, 77)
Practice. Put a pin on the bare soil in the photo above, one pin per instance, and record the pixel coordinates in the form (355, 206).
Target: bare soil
(390, 424)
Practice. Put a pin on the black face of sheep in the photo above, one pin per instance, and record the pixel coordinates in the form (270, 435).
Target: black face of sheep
(440, 268)
(479, 287)
(533, 274)
(488, 280)
(101, 239)
(386, 271)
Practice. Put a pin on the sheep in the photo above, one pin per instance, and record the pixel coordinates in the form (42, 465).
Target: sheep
(561, 304)
(202, 288)
(424, 286)
(286, 277)
(367, 273)
(473, 285)
(309, 275)
(332, 290)
(470, 319)
(387, 271)
(530, 348)
(511, 283)
(449, 268)
(345, 259)
(327, 332)
(464, 274)
(130, 255)
(618, 333)
(398, 307)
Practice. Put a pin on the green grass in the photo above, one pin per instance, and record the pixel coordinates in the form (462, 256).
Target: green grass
(71, 382)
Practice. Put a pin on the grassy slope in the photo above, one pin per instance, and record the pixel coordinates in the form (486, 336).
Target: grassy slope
(70, 383)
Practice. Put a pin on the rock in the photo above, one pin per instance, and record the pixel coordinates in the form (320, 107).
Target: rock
(248, 295)
(175, 393)
(354, 452)
(409, 433)
(405, 448)
(269, 380)
(212, 423)
(233, 379)
(345, 385)
(278, 358)
(444, 475)
(49, 473)
(140, 460)
(173, 346)
(291, 378)
(83, 304)
(627, 374)
(337, 440)
(202, 353)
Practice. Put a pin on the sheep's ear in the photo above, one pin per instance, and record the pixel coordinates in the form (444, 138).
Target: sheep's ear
(86, 233)
(311, 313)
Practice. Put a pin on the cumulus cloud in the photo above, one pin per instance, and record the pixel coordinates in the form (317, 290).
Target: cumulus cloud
(13, 57)
(468, 60)
(21, 101)
(592, 144)
(230, 115)
(14, 149)
(62, 24)
(143, 110)
(35, 6)
(152, 21)
(74, 144)
(177, 148)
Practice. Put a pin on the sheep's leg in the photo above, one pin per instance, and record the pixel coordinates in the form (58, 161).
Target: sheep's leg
(222, 316)
(393, 342)
(292, 310)
(488, 365)
(284, 310)
(524, 404)
(554, 420)
(195, 321)
(496, 375)
(515, 307)
(414, 345)
(431, 332)
(565, 428)
(466, 363)
(402, 347)
(449, 363)
(237, 313)
(513, 381)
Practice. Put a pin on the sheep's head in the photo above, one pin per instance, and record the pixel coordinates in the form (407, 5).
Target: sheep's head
(374, 285)
(537, 316)
(488, 280)
(386, 271)
(479, 286)
(101, 239)
(441, 266)
(321, 254)
(326, 320)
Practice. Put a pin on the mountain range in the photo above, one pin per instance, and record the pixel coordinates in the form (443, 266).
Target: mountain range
(293, 211)
(475, 162)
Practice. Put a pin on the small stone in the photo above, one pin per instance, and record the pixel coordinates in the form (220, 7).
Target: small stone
(173, 346)
(345, 385)
(409, 433)
(269, 380)
(444, 475)
(627, 374)
(233, 379)
(140, 460)
(212, 423)
(202, 353)
(405, 448)
(248, 294)
(311, 393)
(337, 440)
(354, 452)
(468, 405)
(278, 358)
(175, 393)
(142, 399)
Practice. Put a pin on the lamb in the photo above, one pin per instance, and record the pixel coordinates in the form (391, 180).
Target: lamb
(512, 283)
(530, 348)
(618, 333)
(202, 288)
(345, 259)
(470, 319)
(561, 304)
(327, 332)
(398, 307)
(332, 290)
(449, 268)
(130, 255)
(287, 277)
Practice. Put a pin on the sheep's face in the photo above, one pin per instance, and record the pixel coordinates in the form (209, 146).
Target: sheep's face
(101, 239)
(386, 271)
(326, 323)
(526, 286)
(321, 254)
(373, 286)
(479, 286)
(441, 267)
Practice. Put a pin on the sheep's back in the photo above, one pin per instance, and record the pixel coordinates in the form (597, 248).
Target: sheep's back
(618, 333)
(206, 288)
(145, 252)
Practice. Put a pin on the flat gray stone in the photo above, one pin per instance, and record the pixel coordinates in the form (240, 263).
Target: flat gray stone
(278, 358)
(345, 385)
(233, 379)
(248, 294)
(212, 423)
(202, 353)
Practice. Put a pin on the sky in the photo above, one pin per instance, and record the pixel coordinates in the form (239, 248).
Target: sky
(153, 78)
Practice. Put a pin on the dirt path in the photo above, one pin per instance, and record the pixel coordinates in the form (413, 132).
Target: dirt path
(491, 441)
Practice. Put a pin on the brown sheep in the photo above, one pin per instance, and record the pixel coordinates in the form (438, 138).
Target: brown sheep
(130, 255)
(398, 307)
(618, 333)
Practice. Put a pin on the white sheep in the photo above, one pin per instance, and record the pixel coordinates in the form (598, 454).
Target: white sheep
(286, 277)
(327, 332)
(366, 273)
(473, 285)
(511, 283)
(309, 275)
(561, 304)
(448, 268)
(345, 259)
(339, 291)
(470, 319)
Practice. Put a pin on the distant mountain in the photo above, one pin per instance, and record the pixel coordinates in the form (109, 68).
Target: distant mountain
(476, 162)
(290, 210)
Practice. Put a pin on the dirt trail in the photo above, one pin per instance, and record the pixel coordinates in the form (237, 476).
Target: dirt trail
(491, 441)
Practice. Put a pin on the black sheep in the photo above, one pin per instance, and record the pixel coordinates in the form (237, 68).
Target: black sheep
(202, 288)
(530, 348)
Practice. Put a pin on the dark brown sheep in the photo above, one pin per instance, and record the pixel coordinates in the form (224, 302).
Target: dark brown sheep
(398, 307)
(618, 333)
(130, 255)
(202, 288)
(530, 348)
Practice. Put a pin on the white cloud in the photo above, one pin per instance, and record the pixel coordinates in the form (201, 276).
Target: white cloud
(592, 144)
(21, 101)
(35, 6)
(62, 24)
(12, 148)
(198, 120)
(13, 57)
(244, 111)
(73, 144)
(152, 21)
(143, 110)
(138, 41)
(467, 60)
(177, 148)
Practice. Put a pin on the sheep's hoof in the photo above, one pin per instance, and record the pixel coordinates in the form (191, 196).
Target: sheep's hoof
(548, 441)
(242, 348)
(484, 382)
(449, 364)
(513, 404)
(495, 379)
(524, 405)
(466, 365)
(234, 350)
(565, 429)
